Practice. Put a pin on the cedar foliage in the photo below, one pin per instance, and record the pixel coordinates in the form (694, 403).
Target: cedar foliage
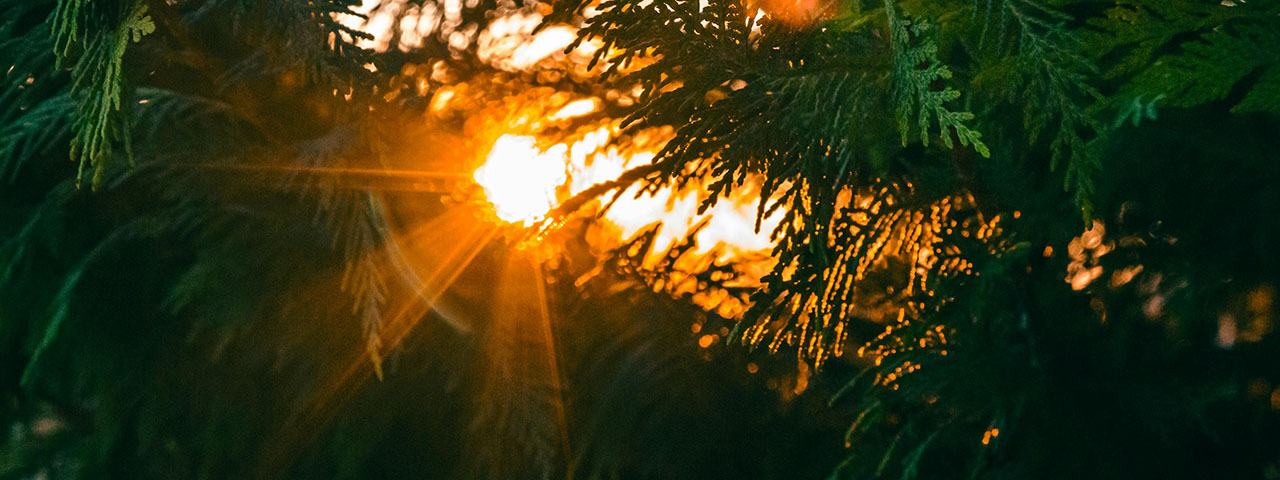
(934, 163)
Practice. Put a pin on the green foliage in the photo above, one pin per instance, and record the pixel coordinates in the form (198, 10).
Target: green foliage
(916, 73)
(189, 137)
(1046, 61)
(202, 314)
(934, 261)
(98, 79)
(1209, 69)
(218, 309)
(29, 54)
(44, 127)
(1230, 54)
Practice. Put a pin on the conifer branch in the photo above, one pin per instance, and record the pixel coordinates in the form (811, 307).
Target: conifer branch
(917, 70)
(98, 82)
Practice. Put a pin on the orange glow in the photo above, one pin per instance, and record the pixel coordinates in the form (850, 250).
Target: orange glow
(1085, 251)
(988, 435)
(519, 180)
(803, 372)
(381, 18)
(577, 109)
(798, 12)
(524, 182)
(533, 166)
(509, 43)
(706, 341)
(546, 43)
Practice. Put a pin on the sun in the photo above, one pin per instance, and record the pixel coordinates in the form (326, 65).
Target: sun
(524, 179)
(519, 180)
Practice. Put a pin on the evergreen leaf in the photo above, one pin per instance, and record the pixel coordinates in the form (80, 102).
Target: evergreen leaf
(917, 74)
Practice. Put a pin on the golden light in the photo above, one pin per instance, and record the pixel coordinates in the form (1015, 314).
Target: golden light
(510, 43)
(798, 12)
(540, 156)
(705, 341)
(1085, 250)
(546, 43)
(577, 108)
(990, 435)
(405, 21)
(524, 179)
(521, 181)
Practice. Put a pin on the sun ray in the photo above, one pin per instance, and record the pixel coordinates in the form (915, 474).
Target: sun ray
(437, 283)
(553, 365)
(373, 179)
(339, 387)
(520, 379)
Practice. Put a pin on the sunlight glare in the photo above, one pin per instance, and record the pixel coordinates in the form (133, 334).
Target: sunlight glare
(577, 108)
(521, 181)
(524, 183)
(546, 43)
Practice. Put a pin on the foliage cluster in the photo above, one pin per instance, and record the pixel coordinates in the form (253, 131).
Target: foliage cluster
(985, 350)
